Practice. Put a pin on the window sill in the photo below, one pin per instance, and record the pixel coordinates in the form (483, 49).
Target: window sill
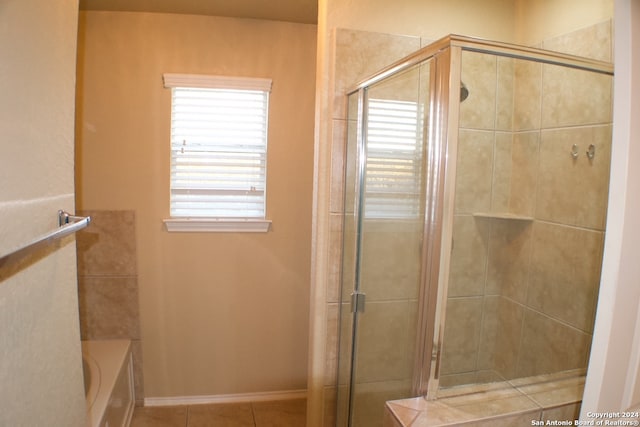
(216, 225)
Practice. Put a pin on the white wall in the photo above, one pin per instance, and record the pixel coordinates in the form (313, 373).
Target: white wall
(612, 382)
(40, 360)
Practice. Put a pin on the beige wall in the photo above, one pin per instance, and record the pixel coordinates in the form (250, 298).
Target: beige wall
(543, 19)
(519, 21)
(221, 313)
(393, 28)
(41, 368)
(432, 19)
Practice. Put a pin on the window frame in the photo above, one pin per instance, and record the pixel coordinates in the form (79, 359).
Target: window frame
(217, 224)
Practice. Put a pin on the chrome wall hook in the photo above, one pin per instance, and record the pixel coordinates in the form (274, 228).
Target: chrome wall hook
(591, 152)
(574, 151)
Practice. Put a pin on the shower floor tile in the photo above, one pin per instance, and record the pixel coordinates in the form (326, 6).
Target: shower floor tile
(284, 413)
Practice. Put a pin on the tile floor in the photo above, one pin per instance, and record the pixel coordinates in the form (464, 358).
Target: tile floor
(284, 413)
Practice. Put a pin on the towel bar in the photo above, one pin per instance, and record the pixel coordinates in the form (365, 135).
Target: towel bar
(68, 224)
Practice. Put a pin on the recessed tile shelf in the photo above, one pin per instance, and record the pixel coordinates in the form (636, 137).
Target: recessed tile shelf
(502, 215)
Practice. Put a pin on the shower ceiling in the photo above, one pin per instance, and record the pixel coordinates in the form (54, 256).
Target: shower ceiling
(301, 11)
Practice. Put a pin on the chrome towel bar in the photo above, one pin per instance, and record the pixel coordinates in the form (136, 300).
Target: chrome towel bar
(67, 223)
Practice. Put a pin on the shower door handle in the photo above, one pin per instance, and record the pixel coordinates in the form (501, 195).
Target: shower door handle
(357, 302)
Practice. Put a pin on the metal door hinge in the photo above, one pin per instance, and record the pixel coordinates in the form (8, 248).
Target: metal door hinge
(357, 302)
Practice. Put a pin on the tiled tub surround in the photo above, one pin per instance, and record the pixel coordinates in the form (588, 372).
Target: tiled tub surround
(108, 283)
(518, 402)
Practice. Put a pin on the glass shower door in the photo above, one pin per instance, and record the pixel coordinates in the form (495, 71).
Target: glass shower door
(382, 249)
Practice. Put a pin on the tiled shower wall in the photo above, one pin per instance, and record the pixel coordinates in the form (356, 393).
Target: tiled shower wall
(522, 293)
(108, 283)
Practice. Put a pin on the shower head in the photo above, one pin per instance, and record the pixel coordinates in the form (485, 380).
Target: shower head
(464, 92)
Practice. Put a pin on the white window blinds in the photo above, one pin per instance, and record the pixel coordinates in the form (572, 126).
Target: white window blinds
(394, 159)
(218, 146)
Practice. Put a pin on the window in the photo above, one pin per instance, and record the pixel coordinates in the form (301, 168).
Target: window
(218, 153)
(394, 159)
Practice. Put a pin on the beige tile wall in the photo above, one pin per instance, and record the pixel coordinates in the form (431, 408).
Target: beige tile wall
(536, 281)
(574, 192)
(108, 283)
(474, 171)
(462, 331)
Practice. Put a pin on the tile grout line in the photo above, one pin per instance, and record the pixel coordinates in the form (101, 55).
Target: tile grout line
(253, 414)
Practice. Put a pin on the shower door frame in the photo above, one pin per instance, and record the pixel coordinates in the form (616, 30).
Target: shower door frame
(444, 105)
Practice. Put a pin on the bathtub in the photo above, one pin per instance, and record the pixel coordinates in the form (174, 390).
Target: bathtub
(108, 368)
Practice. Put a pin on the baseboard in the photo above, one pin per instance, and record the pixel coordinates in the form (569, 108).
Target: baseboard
(225, 398)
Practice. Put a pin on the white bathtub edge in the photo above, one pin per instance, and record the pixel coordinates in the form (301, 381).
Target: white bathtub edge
(94, 375)
(110, 356)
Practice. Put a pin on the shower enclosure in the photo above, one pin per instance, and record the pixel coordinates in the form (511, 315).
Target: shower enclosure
(475, 204)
